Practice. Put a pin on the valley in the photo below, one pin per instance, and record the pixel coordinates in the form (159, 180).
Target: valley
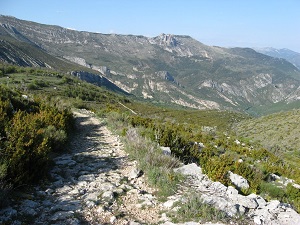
(155, 119)
(167, 69)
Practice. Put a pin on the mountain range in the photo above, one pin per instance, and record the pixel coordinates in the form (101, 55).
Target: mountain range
(284, 53)
(167, 69)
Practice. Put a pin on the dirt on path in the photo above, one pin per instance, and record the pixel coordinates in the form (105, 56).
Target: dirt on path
(93, 182)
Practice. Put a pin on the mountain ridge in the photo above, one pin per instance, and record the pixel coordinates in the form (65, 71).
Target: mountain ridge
(285, 53)
(205, 76)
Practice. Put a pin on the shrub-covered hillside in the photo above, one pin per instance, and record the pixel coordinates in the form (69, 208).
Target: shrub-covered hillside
(278, 132)
(32, 127)
(218, 153)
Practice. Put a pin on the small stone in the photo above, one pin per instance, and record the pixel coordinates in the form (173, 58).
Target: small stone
(241, 209)
(257, 220)
(82, 191)
(134, 223)
(49, 191)
(92, 196)
(135, 173)
(90, 204)
(16, 222)
(169, 204)
(100, 209)
(30, 204)
(9, 212)
(73, 221)
(61, 215)
(29, 212)
(88, 177)
(113, 219)
(238, 180)
(166, 150)
(232, 191)
(273, 204)
(119, 191)
(164, 217)
(68, 162)
(108, 195)
(189, 169)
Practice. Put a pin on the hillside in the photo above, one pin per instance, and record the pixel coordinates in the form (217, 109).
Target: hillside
(71, 165)
(169, 69)
(278, 132)
(289, 55)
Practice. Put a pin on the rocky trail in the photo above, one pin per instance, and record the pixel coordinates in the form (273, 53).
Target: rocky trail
(95, 182)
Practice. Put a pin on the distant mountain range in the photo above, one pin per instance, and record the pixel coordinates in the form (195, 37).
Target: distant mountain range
(167, 69)
(289, 55)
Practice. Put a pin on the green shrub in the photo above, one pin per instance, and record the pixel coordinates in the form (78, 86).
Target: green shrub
(293, 194)
(10, 69)
(29, 134)
(27, 149)
(193, 208)
(32, 86)
(217, 168)
(5, 191)
(270, 191)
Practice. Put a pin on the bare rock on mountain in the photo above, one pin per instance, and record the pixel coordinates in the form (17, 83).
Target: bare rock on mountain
(165, 75)
(210, 77)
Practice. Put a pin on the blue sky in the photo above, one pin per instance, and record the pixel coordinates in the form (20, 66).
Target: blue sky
(228, 23)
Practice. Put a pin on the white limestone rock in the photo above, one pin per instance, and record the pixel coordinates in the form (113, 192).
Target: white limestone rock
(238, 180)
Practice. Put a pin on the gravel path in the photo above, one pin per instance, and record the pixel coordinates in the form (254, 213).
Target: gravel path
(94, 182)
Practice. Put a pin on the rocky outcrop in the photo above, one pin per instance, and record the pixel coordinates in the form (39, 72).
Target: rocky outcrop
(98, 80)
(230, 201)
(167, 40)
(166, 75)
(104, 70)
(249, 89)
(11, 53)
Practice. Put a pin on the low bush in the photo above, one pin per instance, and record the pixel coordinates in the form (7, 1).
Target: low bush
(271, 191)
(157, 167)
(293, 194)
(30, 131)
(193, 208)
(219, 154)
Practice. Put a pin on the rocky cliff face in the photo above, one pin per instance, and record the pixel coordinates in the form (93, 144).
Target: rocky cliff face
(169, 68)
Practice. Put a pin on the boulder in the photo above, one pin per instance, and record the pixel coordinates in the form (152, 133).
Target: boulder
(239, 181)
(189, 170)
(259, 200)
(166, 150)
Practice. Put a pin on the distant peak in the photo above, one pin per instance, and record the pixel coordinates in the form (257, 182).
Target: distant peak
(167, 40)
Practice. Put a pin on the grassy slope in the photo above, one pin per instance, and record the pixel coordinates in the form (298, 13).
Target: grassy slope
(278, 132)
(222, 120)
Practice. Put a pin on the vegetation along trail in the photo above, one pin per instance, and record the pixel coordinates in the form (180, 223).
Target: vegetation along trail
(96, 182)
(93, 183)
